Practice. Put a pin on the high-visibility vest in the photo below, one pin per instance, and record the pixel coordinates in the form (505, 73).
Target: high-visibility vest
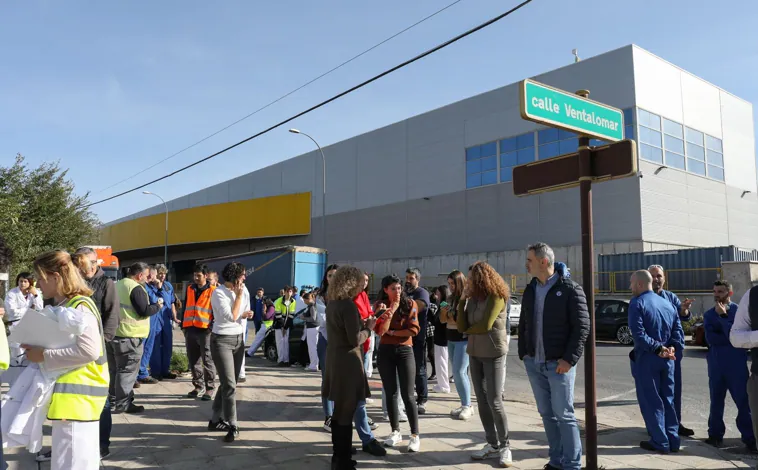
(282, 310)
(198, 311)
(79, 395)
(5, 356)
(130, 324)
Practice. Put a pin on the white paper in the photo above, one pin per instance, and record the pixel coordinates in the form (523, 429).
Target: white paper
(38, 329)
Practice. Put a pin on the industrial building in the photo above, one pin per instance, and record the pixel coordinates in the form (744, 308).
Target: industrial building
(440, 184)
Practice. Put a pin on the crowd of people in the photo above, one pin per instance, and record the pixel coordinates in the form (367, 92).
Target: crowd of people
(121, 335)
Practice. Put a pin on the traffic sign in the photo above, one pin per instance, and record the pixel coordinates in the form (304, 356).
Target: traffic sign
(618, 160)
(557, 108)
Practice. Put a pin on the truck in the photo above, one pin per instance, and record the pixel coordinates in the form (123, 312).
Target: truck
(107, 261)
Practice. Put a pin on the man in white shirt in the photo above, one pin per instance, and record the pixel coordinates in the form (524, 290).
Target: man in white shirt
(744, 335)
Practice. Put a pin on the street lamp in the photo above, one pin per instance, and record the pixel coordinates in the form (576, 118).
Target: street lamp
(323, 194)
(165, 248)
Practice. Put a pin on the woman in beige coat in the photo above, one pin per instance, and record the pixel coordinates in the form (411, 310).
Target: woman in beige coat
(345, 380)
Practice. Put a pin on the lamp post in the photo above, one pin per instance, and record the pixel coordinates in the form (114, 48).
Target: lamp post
(323, 194)
(165, 248)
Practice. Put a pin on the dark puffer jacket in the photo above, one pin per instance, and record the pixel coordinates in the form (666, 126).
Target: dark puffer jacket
(565, 323)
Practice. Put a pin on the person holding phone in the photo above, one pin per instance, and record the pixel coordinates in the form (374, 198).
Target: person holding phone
(727, 369)
(231, 309)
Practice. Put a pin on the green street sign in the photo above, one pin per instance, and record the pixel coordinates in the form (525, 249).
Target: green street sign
(557, 108)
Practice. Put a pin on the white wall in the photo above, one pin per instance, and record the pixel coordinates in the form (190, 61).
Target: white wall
(739, 142)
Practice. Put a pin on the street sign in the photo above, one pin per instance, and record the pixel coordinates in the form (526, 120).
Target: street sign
(618, 160)
(557, 108)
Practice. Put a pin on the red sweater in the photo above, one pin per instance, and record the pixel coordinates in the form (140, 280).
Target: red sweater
(364, 308)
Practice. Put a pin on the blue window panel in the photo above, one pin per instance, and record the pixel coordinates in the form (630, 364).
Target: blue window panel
(713, 143)
(474, 167)
(597, 142)
(506, 174)
(547, 135)
(489, 163)
(673, 128)
(674, 160)
(526, 155)
(695, 151)
(716, 172)
(489, 177)
(473, 153)
(696, 137)
(629, 132)
(526, 140)
(563, 135)
(568, 146)
(508, 159)
(649, 136)
(715, 158)
(695, 166)
(673, 144)
(509, 145)
(474, 181)
(651, 154)
(548, 151)
(650, 120)
(629, 116)
(489, 149)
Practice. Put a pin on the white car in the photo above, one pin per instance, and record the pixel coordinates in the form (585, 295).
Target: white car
(515, 314)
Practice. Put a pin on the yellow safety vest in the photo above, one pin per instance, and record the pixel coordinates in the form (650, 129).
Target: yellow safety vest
(79, 395)
(130, 325)
(5, 356)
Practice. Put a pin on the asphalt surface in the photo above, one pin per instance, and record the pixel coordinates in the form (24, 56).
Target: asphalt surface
(616, 393)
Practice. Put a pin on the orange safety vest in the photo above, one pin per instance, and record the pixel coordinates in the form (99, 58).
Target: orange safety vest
(198, 312)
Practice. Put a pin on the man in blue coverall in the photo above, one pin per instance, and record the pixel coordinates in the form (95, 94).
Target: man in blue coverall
(160, 358)
(156, 323)
(657, 334)
(727, 369)
(683, 309)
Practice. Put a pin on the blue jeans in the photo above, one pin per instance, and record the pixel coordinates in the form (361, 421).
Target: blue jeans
(361, 423)
(554, 394)
(156, 325)
(457, 351)
(321, 350)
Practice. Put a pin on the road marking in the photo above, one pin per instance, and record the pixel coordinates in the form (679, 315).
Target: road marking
(616, 397)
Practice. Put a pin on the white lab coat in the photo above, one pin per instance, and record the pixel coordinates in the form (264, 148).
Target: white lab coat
(16, 305)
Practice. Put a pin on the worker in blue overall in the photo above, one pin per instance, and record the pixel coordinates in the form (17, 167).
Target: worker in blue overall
(683, 309)
(163, 346)
(156, 324)
(657, 334)
(727, 369)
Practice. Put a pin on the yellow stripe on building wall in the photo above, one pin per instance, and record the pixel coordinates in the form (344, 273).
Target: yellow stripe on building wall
(274, 216)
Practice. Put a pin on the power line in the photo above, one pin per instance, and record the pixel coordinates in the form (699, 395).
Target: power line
(324, 103)
(282, 97)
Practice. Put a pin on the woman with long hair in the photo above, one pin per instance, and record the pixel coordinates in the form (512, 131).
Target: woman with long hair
(397, 324)
(345, 382)
(456, 345)
(321, 301)
(79, 394)
(441, 294)
(482, 316)
(231, 309)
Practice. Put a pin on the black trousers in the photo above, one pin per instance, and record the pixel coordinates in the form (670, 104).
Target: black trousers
(398, 363)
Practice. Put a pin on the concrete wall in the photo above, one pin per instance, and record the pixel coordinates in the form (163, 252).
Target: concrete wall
(742, 274)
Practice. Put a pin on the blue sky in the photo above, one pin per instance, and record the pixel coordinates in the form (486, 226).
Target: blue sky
(109, 88)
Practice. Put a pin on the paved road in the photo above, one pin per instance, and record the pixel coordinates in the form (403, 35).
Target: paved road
(617, 399)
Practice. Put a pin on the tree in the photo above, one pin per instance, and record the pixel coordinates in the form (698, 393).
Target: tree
(39, 211)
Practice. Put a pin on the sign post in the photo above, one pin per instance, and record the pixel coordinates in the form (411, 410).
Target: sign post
(575, 112)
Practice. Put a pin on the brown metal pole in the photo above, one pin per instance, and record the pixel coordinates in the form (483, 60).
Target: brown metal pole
(588, 269)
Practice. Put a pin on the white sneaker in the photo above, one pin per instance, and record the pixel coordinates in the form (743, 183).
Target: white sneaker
(454, 413)
(414, 445)
(385, 417)
(393, 439)
(486, 452)
(466, 413)
(369, 401)
(437, 389)
(403, 418)
(506, 459)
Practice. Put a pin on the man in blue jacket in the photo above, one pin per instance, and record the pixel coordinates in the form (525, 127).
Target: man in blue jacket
(156, 325)
(160, 358)
(657, 334)
(727, 369)
(683, 309)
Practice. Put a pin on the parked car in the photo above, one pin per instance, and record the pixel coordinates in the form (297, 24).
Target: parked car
(612, 320)
(298, 348)
(698, 335)
(515, 314)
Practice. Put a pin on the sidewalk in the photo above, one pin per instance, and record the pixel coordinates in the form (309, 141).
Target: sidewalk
(280, 417)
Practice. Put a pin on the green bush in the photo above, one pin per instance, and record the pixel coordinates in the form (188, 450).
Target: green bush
(179, 362)
(689, 325)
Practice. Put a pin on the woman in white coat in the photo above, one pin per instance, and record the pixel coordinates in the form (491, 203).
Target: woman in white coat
(22, 298)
